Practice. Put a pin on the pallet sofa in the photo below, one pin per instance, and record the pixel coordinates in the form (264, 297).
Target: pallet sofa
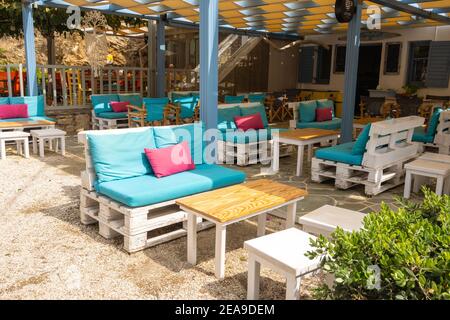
(248, 147)
(35, 105)
(442, 139)
(103, 116)
(305, 115)
(376, 159)
(120, 193)
(436, 134)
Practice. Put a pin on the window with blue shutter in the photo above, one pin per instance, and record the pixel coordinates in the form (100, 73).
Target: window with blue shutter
(306, 65)
(438, 65)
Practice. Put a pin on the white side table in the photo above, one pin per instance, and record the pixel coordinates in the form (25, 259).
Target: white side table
(20, 137)
(326, 219)
(49, 135)
(429, 169)
(283, 252)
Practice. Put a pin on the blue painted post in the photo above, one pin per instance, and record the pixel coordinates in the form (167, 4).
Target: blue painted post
(351, 74)
(209, 46)
(30, 51)
(160, 59)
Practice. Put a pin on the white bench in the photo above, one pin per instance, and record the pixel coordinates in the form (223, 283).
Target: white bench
(283, 252)
(19, 137)
(426, 168)
(49, 135)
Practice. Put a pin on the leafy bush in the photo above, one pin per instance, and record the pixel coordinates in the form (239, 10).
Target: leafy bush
(410, 248)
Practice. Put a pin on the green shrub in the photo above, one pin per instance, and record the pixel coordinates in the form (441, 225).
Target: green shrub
(411, 248)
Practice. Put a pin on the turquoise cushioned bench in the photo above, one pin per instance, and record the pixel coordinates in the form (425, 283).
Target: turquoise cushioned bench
(36, 108)
(147, 189)
(334, 124)
(307, 115)
(340, 153)
(427, 135)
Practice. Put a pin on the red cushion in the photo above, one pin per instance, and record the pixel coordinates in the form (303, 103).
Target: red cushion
(119, 106)
(170, 160)
(10, 111)
(324, 114)
(252, 121)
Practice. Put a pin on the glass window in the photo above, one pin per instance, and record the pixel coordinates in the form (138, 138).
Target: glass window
(418, 62)
(392, 58)
(339, 61)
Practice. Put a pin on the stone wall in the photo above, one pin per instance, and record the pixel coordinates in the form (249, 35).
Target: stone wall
(72, 120)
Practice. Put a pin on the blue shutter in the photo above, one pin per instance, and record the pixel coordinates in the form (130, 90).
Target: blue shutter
(306, 65)
(438, 65)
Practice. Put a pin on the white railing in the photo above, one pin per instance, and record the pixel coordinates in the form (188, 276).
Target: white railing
(72, 86)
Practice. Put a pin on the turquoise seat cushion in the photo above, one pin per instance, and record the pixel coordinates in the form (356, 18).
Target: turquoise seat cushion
(147, 189)
(133, 98)
(155, 108)
(260, 97)
(307, 111)
(246, 111)
(434, 122)
(333, 124)
(326, 103)
(35, 104)
(4, 100)
(420, 135)
(113, 115)
(28, 119)
(119, 156)
(340, 153)
(187, 105)
(234, 99)
(225, 117)
(359, 146)
(100, 102)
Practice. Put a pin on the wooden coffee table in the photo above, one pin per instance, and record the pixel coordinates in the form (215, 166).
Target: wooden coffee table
(21, 125)
(233, 204)
(301, 138)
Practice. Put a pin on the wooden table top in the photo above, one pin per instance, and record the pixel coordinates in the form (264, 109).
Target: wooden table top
(367, 120)
(307, 133)
(15, 124)
(239, 201)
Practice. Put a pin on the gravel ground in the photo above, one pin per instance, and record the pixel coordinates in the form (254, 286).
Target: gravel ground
(46, 253)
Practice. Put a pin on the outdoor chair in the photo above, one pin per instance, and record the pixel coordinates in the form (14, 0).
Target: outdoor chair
(304, 115)
(154, 112)
(187, 105)
(234, 99)
(437, 133)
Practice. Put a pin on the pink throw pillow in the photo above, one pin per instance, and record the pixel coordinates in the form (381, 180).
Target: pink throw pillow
(170, 160)
(119, 106)
(324, 114)
(252, 121)
(11, 111)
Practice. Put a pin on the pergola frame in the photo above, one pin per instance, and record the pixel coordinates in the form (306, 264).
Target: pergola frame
(209, 35)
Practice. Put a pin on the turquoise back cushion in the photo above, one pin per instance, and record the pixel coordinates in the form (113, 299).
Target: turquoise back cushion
(257, 98)
(359, 147)
(35, 104)
(155, 108)
(225, 117)
(176, 96)
(325, 103)
(120, 155)
(187, 105)
(307, 111)
(100, 102)
(434, 121)
(4, 100)
(245, 111)
(133, 98)
(195, 95)
(234, 99)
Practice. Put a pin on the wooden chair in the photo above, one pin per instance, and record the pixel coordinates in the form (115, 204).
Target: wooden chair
(168, 114)
(390, 108)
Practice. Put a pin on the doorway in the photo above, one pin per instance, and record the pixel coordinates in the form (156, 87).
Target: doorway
(368, 70)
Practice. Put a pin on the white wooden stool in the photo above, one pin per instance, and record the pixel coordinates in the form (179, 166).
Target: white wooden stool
(49, 135)
(429, 169)
(326, 219)
(20, 137)
(283, 252)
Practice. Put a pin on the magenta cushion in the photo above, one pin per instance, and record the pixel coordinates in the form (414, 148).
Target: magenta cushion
(170, 160)
(119, 106)
(252, 121)
(324, 114)
(11, 111)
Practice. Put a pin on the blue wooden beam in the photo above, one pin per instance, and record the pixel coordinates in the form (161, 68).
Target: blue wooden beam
(351, 74)
(160, 59)
(209, 46)
(30, 51)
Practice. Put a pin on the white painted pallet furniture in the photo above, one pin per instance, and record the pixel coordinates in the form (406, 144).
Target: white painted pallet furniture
(20, 138)
(40, 137)
(388, 149)
(442, 137)
(114, 219)
(429, 169)
(105, 123)
(325, 220)
(283, 252)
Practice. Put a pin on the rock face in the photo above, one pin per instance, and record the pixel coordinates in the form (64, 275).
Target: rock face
(72, 120)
